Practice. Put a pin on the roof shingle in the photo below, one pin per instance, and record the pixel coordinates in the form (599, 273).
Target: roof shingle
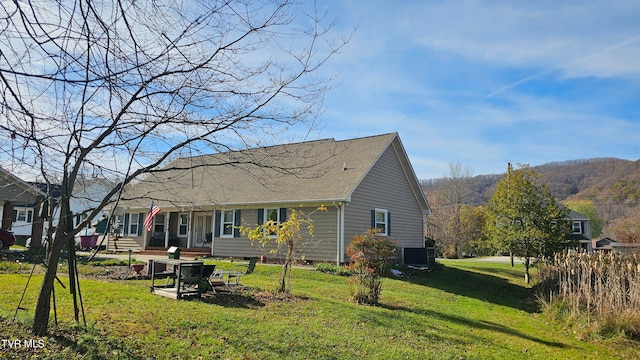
(313, 171)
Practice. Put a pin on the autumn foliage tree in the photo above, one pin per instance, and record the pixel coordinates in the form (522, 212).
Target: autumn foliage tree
(116, 89)
(370, 255)
(287, 236)
(627, 229)
(524, 218)
(473, 220)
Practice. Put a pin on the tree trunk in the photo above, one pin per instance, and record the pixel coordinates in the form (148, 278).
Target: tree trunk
(60, 239)
(283, 278)
(43, 306)
(286, 268)
(526, 270)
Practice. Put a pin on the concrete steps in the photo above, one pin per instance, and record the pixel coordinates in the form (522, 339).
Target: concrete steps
(124, 244)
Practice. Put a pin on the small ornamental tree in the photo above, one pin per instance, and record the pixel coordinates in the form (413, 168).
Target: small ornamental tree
(369, 253)
(286, 234)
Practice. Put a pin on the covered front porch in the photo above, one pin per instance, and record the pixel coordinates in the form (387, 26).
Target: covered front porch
(186, 230)
(184, 252)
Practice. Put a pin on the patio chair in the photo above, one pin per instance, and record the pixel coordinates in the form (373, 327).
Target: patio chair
(244, 269)
(207, 270)
(159, 271)
(216, 279)
(190, 276)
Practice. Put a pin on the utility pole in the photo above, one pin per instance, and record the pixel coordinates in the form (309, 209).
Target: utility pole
(509, 196)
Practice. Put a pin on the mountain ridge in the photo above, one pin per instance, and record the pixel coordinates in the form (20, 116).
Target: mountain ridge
(612, 184)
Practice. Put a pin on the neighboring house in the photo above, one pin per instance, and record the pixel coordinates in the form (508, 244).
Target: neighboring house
(20, 204)
(608, 244)
(364, 183)
(87, 195)
(25, 211)
(603, 244)
(580, 231)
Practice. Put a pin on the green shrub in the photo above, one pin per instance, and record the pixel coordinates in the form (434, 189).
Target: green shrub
(13, 267)
(113, 262)
(625, 324)
(333, 269)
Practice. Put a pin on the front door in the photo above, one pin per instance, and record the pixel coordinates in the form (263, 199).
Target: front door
(202, 231)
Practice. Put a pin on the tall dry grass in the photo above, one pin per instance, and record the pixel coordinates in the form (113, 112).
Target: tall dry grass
(602, 287)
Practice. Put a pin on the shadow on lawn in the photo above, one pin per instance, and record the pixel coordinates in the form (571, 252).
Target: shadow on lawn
(481, 325)
(248, 298)
(244, 300)
(479, 286)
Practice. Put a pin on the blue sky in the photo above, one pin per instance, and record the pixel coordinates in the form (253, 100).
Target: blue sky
(483, 83)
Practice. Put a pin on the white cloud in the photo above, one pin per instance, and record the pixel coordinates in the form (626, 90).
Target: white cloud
(574, 37)
(486, 82)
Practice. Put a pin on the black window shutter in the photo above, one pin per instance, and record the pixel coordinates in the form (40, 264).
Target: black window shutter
(236, 223)
(216, 223)
(260, 216)
(140, 221)
(283, 214)
(373, 219)
(126, 224)
(388, 223)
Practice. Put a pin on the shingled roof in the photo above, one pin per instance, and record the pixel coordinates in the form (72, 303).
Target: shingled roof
(15, 189)
(306, 172)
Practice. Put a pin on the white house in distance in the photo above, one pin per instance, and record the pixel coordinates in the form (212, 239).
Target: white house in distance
(21, 202)
(364, 183)
(87, 195)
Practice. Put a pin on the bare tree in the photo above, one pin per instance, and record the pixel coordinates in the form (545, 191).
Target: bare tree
(116, 89)
(627, 229)
(444, 225)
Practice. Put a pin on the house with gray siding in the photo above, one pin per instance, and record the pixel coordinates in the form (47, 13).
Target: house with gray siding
(580, 232)
(364, 183)
(19, 206)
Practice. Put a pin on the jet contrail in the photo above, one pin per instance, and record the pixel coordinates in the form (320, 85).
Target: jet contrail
(616, 46)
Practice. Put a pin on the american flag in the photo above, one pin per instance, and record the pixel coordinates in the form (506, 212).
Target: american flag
(148, 221)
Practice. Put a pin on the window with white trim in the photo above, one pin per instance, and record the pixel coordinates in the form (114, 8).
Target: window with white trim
(227, 223)
(183, 220)
(134, 219)
(577, 227)
(272, 214)
(381, 221)
(23, 215)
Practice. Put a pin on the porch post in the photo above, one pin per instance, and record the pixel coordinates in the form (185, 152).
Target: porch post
(213, 229)
(166, 229)
(144, 237)
(189, 229)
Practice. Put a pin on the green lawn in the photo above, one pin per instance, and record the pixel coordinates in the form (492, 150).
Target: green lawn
(468, 310)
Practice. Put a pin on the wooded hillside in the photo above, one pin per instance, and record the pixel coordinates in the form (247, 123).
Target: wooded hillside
(612, 184)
